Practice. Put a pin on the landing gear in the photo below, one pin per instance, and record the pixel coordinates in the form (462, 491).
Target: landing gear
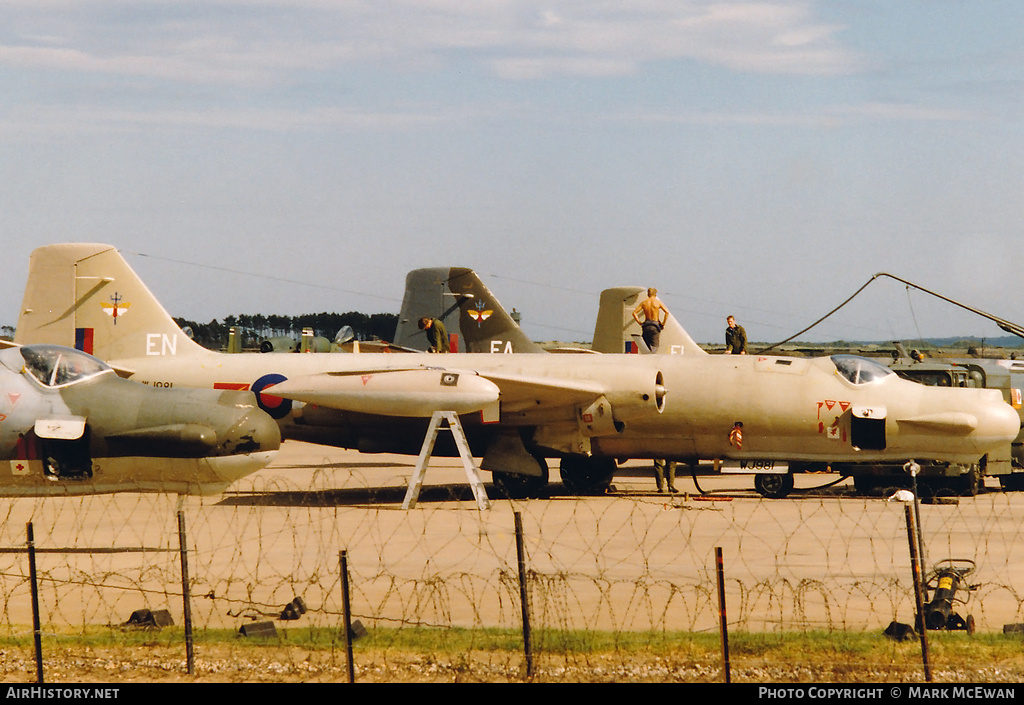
(512, 485)
(966, 484)
(773, 485)
(582, 475)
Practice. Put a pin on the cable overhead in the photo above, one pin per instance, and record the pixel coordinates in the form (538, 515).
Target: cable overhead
(1007, 326)
(799, 333)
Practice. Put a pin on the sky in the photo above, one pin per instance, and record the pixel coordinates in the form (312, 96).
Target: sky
(760, 159)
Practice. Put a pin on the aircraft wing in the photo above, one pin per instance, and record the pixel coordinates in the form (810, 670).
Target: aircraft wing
(520, 393)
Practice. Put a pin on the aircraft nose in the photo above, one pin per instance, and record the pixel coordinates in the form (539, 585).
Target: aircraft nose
(998, 423)
(253, 431)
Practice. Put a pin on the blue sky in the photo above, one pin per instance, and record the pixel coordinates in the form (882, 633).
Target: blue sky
(762, 159)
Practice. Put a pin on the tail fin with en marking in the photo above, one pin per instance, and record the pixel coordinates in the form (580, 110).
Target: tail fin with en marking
(86, 296)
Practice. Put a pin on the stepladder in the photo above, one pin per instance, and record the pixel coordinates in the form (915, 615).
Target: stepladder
(459, 435)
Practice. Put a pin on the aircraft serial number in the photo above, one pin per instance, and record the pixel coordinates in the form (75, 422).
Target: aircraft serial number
(754, 466)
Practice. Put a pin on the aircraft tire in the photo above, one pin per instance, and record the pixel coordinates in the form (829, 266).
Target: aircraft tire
(772, 485)
(587, 476)
(512, 485)
(972, 481)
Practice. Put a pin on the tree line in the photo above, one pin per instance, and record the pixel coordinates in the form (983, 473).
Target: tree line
(256, 327)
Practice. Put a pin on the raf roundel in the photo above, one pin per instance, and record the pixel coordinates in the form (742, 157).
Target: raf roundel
(277, 407)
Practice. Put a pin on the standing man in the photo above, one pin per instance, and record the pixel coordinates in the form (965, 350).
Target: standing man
(652, 324)
(437, 336)
(665, 470)
(735, 338)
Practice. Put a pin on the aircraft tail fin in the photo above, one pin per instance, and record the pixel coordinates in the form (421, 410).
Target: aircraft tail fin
(617, 332)
(87, 296)
(475, 320)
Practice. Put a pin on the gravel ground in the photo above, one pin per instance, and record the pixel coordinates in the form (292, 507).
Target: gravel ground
(230, 665)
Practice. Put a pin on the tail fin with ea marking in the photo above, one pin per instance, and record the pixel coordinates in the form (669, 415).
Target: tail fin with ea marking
(474, 319)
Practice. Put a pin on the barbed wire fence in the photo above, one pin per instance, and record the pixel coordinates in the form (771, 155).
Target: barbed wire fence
(628, 564)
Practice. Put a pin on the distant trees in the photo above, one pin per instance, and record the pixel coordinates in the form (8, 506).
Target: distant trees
(256, 327)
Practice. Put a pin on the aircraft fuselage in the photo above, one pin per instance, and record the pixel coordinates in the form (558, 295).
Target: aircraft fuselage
(787, 408)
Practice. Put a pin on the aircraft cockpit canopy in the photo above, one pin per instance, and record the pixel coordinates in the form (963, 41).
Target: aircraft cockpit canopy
(860, 370)
(53, 365)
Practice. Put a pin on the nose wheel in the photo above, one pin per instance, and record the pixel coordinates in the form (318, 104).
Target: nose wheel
(773, 485)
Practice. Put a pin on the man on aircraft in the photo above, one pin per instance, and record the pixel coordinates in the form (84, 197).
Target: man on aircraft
(436, 334)
(652, 323)
(735, 338)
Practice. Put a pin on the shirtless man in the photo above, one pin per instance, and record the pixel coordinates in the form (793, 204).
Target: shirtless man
(652, 323)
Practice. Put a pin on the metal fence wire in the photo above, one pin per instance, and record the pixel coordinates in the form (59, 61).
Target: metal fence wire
(623, 564)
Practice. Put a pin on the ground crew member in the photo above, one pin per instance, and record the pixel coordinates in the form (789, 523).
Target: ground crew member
(437, 336)
(735, 338)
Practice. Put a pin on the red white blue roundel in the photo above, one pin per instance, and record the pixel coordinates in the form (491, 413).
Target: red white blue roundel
(277, 407)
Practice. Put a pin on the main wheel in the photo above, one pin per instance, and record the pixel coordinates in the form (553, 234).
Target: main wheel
(971, 481)
(587, 476)
(773, 485)
(512, 485)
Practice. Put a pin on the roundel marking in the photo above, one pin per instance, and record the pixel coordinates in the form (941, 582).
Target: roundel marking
(277, 407)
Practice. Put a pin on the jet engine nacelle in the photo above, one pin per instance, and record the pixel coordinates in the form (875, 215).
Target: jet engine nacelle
(636, 394)
(278, 344)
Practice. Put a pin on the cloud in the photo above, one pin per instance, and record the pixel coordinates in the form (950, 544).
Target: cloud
(243, 42)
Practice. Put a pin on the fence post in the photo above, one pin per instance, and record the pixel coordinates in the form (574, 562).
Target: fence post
(524, 594)
(346, 616)
(915, 564)
(36, 628)
(185, 596)
(723, 621)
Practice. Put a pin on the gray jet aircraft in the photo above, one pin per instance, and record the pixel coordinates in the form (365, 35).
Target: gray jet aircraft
(520, 410)
(70, 426)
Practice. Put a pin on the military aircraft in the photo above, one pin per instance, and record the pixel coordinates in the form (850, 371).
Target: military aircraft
(70, 426)
(520, 410)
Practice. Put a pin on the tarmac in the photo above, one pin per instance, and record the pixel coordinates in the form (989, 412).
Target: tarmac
(630, 559)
